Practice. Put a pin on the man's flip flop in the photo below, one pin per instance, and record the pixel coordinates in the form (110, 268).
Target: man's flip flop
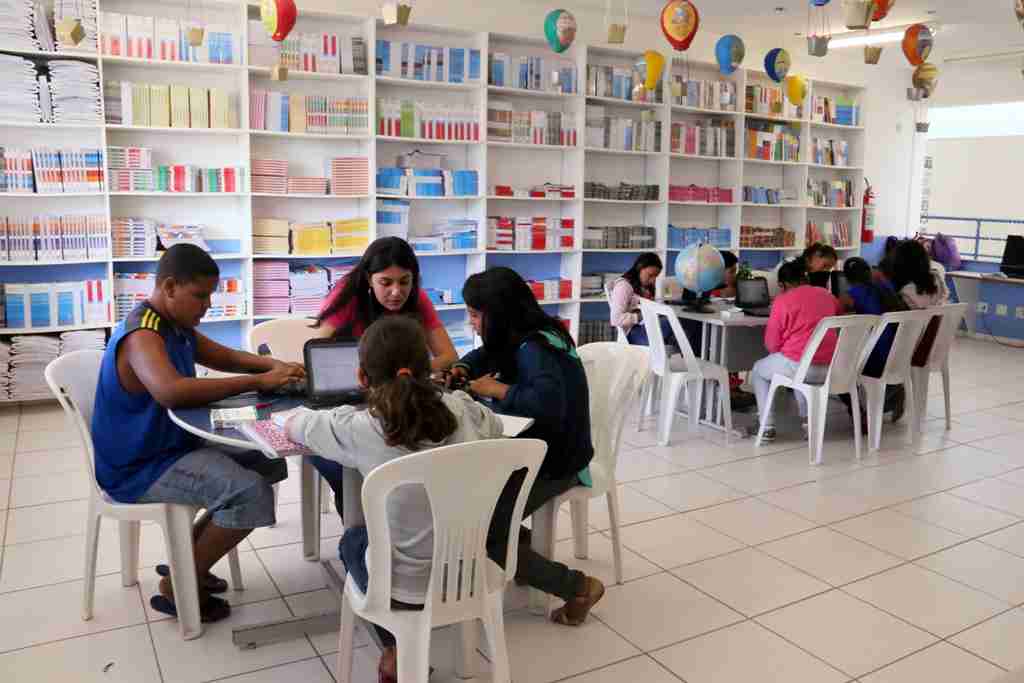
(210, 584)
(210, 610)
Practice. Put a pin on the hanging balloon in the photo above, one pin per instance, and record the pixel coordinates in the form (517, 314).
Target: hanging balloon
(926, 78)
(1018, 9)
(730, 51)
(917, 44)
(882, 8)
(560, 29)
(278, 17)
(858, 13)
(776, 64)
(796, 89)
(679, 22)
(872, 53)
(655, 65)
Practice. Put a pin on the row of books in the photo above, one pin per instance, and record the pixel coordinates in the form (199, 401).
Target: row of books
(592, 285)
(596, 330)
(772, 141)
(280, 288)
(23, 361)
(168, 106)
(451, 234)
(545, 191)
(705, 137)
(619, 83)
(756, 194)
(835, 233)
(427, 182)
(834, 193)
(46, 170)
(310, 238)
(828, 152)
(71, 237)
(321, 114)
(131, 288)
(542, 74)
(700, 193)
(771, 101)
(393, 218)
(682, 237)
(642, 134)
(427, 62)
(719, 95)
(132, 170)
(551, 289)
(758, 237)
(408, 118)
(537, 127)
(843, 111)
(619, 237)
(133, 237)
(167, 39)
(326, 53)
(530, 233)
(56, 304)
(346, 176)
(623, 191)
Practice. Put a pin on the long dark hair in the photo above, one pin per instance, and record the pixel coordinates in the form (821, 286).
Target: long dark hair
(793, 272)
(858, 272)
(822, 250)
(393, 354)
(511, 315)
(632, 276)
(910, 263)
(381, 255)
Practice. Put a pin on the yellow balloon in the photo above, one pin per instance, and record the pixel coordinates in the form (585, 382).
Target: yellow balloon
(655, 65)
(796, 89)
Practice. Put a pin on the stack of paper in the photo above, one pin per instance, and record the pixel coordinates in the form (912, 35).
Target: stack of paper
(129, 290)
(75, 91)
(349, 175)
(270, 288)
(309, 287)
(30, 354)
(270, 176)
(311, 239)
(17, 24)
(19, 84)
(270, 235)
(83, 10)
(133, 236)
(5, 366)
(229, 299)
(307, 185)
(82, 340)
(349, 235)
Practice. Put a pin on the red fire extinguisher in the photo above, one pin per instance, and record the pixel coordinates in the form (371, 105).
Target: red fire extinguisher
(867, 217)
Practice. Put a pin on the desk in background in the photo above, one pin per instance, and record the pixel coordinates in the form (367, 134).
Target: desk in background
(968, 289)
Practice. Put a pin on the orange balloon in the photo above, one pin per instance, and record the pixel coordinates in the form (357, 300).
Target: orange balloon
(917, 44)
(679, 22)
(882, 8)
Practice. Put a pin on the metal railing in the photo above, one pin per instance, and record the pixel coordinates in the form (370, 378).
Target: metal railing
(977, 238)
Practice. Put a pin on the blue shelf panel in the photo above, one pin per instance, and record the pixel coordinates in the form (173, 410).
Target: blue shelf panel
(69, 272)
(531, 266)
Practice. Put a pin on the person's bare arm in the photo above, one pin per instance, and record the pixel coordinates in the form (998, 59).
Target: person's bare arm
(143, 365)
(219, 357)
(441, 348)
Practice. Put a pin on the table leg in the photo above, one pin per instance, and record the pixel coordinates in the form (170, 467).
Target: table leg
(310, 491)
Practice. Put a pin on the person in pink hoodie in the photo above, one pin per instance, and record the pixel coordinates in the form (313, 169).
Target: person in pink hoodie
(795, 314)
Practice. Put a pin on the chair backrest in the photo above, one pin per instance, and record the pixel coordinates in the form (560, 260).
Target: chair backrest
(910, 326)
(73, 378)
(653, 312)
(952, 315)
(463, 483)
(620, 334)
(286, 338)
(847, 362)
(615, 374)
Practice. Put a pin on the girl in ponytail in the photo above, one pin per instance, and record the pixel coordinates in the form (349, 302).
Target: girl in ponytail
(405, 412)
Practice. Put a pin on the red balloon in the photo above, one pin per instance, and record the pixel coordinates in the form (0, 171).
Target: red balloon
(882, 8)
(679, 22)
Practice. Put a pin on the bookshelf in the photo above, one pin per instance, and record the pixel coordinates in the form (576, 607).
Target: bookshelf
(229, 217)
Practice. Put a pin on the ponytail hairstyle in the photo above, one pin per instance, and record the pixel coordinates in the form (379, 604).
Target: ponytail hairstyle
(793, 273)
(380, 255)
(858, 272)
(511, 315)
(632, 276)
(401, 396)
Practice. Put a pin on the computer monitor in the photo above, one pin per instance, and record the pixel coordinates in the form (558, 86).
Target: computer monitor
(752, 293)
(1013, 257)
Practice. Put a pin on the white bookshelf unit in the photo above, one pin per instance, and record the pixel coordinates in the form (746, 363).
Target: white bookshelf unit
(229, 216)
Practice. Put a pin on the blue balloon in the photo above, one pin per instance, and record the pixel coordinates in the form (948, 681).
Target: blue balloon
(776, 64)
(700, 268)
(820, 3)
(730, 51)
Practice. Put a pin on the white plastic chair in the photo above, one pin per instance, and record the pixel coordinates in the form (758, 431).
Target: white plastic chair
(73, 378)
(286, 339)
(681, 372)
(909, 328)
(465, 584)
(620, 334)
(841, 378)
(651, 385)
(938, 360)
(615, 375)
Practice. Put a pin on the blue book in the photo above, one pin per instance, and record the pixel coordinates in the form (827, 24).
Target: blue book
(383, 59)
(457, 65)
(474, 65)
(39, 304)
(419, 63)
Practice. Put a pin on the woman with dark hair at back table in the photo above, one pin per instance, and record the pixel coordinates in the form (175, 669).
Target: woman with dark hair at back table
(637, 283)
(528, 366)
(386, 281)
(919, 280)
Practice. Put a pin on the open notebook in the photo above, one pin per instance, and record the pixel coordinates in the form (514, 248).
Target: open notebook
(271, 439)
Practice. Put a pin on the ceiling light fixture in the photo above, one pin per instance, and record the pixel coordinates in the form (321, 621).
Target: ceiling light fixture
(885, 36)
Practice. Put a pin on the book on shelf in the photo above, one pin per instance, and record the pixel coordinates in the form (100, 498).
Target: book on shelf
(419, 62)
(330, 53)
(828, 152)
(408, 118)
(393, 218)
(55, 304)
(133, 236)
(769, 141)
(842, 110)
(720, 95)
(831, 193)
(160, 106)
(40, 170)
(641, 133)
(835, 233)
(139, 31)
(166, 39)
(704, 137)
(619, 237)
(320, 114)
(51, 237)
(771, 101)
(542, 74)
(619, 83)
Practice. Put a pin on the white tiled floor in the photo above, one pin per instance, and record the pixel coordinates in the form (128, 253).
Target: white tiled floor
(740, 565)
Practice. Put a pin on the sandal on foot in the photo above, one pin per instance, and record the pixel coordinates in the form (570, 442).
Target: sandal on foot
(581, 605)
(210, 610)
(209, 583)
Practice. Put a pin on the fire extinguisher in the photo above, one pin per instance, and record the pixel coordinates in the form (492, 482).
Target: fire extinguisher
(867, 217)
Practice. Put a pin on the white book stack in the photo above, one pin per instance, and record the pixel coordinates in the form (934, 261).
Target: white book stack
(75, 91)
(309, 287)
(20, 87)
(129, 290)
(5, 369)
(30, 354)
(17, 24)
(82, 340)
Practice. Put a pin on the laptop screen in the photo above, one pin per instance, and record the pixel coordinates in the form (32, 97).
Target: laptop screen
(331, 367)
(840, 285)
(752, 293)
(1013, 256)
